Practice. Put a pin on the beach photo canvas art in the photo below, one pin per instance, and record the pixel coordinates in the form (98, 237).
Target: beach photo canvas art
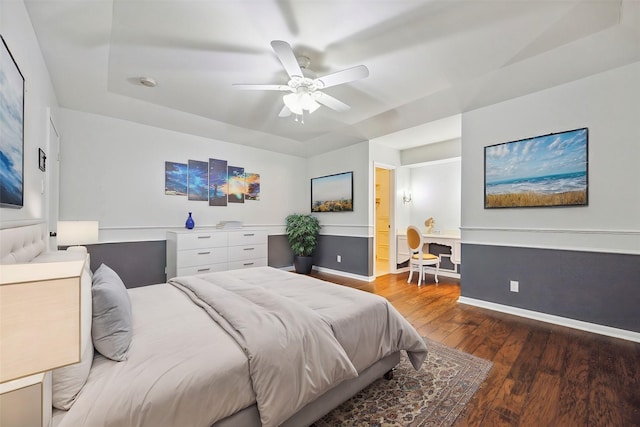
(547, 170)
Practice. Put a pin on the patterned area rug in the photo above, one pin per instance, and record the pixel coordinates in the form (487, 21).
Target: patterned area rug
(433, 396)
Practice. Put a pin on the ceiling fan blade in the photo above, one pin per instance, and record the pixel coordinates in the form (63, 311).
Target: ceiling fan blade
(344, 76)
(286, 56)
(285, 112)
(283, 88)
(331, 102)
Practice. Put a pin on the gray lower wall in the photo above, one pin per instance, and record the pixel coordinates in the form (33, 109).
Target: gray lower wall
(600, 288)
(143, 263)
(280, 254)
(137, 263)
(355, 252)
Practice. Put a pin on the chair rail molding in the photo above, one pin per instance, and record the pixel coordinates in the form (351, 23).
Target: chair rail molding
(576, 239)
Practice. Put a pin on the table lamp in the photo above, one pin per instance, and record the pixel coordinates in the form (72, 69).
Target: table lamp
(72, 233)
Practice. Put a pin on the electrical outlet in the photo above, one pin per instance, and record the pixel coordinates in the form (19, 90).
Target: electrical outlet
(514, 286)
(339, 258)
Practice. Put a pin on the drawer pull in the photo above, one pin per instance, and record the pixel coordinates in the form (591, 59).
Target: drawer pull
(249, 235)
(248, 263)
(204, 253)
(204, 237)
(204, 269)
(248, 249)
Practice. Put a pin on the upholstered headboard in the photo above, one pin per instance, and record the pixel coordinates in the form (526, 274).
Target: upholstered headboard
(23, 244)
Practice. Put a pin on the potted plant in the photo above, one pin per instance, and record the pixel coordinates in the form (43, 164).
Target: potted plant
(302, 233)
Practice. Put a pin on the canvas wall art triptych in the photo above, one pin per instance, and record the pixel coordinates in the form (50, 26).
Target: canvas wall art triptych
(213, 181)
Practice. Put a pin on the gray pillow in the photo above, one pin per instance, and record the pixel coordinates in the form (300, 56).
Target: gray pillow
(111, 329)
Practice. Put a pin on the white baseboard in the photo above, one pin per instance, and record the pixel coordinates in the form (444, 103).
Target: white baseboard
(556, 320)
(344, 274)
(336, 272)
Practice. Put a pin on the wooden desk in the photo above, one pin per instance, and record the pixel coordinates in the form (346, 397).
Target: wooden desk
(451, 240)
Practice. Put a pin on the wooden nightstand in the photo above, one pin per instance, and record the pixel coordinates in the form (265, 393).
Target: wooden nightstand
(25, 402)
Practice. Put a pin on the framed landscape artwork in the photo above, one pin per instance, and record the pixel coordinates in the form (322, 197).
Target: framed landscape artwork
(332, 193)
(547, 170)
(11, 130)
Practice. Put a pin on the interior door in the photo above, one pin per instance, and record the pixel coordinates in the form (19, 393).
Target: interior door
(53, 181)
(382, 213)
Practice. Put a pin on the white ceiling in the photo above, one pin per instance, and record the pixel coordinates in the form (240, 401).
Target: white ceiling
(429, 61)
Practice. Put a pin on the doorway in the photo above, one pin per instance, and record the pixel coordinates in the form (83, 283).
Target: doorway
(52, 194)
(382, 220)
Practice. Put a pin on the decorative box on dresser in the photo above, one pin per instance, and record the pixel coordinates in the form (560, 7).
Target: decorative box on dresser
(207, 250)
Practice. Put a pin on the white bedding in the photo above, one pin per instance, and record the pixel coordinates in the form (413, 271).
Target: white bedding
(177, 374)
(185, 370)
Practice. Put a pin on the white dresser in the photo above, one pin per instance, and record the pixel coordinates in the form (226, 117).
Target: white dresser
(207, 250)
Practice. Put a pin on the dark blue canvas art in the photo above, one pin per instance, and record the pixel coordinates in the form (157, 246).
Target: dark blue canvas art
(252, 186)
(175, 178)
(198, 180)
(236, 184)
(11, 131)
(218, 182)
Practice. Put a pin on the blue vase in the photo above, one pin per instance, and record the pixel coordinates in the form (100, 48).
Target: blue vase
(190, 224)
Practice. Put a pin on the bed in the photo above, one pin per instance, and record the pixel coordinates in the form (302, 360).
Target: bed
(254, 347)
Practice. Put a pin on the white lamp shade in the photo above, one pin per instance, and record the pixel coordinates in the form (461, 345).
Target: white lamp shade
(300, 101)
(291, 101)
(77, 232)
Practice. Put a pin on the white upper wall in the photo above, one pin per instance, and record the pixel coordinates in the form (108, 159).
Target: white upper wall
(113, 171)
(39, 100)
(609, 105)
(435, 192)
(353, 158)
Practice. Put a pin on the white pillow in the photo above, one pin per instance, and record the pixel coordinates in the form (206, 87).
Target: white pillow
(69, 380)
(111, 328)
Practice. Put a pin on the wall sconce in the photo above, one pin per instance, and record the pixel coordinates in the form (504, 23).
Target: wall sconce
(406, 199)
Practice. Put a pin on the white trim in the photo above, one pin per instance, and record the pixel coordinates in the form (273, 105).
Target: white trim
(435, 162)
(556, 320)
(583, 240)
(552, 230)
(345, 274)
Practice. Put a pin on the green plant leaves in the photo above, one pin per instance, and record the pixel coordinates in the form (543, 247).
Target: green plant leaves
(302, 233)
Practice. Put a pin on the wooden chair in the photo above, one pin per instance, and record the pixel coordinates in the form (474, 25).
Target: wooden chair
(418, 259)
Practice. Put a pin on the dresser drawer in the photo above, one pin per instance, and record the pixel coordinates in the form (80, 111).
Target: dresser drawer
(204, 256)
(202, 240)
(202, 269)
(246, 237)
(258, 262)
(239, 253)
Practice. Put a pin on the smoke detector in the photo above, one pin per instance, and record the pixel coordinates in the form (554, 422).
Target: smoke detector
(148, 81)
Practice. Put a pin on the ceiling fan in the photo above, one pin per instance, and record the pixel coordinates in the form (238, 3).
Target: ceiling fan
(305, 90)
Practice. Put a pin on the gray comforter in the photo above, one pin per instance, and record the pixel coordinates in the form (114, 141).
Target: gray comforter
(296, 349)
(186, 370)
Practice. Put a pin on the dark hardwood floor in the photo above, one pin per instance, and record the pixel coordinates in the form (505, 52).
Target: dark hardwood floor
(542, 375)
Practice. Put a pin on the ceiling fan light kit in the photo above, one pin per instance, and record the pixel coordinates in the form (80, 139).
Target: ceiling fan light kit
(305, 91)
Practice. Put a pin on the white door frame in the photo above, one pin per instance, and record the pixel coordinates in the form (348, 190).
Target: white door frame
(392, 216)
